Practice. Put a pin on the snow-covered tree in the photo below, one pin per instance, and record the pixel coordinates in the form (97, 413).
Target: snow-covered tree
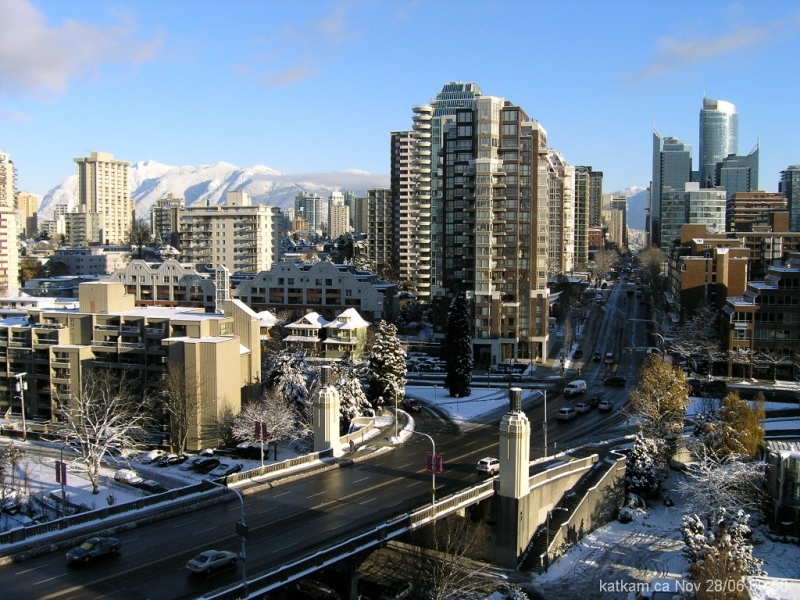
(283, 422)
(102, 414)
(386, 367)
(353, 401)
(737, 430)
(698, 336)
(458, 348)
(647, 466)
(719, 550)
(661, 399)
(289, 377)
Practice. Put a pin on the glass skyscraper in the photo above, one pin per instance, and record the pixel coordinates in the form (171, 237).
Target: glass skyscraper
(672, 168)
(719, 137)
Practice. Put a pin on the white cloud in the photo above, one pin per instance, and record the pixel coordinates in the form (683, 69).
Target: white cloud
(13, 116)
(677, 54)
(40, 59)
(298, 53)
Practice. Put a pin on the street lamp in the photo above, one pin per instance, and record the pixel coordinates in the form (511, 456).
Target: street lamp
(433, 467)
(547, 536)
(241, 529)
(393, 383)
(544, 423)
(658, 335)
(22, 385)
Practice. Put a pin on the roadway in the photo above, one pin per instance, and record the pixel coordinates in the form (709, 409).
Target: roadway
(291, 519)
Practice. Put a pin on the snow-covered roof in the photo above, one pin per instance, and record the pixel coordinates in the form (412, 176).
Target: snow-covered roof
(267, 318)
(312, 319)
(349, 319)
(301, 338)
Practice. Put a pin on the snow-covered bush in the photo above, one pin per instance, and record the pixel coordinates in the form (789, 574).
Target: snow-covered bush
(647, 466)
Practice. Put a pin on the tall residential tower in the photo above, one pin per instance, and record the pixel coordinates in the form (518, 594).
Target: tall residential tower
(103, 191)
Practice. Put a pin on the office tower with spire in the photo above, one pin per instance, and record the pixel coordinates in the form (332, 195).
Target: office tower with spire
(789, 186)
(495, 216)
(719, 137)
(9, 226)
(672, 168)
(103, 195)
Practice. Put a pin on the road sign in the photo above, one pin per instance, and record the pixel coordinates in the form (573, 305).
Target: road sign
(61, 472)
(241, 530)
(261, 431)
(435, 463)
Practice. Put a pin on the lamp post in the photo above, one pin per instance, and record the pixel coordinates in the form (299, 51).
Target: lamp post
(62, 477)
(658, 335)
(544, 423)
(21, 386)
(547, 536)
(241, 529)
(433, 467)
(393, 383)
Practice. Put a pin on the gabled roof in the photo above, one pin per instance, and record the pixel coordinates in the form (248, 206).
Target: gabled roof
(312, 319)
(349, 319)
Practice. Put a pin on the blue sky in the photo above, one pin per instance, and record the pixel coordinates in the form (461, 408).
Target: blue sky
(307, 86)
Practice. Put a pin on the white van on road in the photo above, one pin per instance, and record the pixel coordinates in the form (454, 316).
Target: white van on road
(575, 388)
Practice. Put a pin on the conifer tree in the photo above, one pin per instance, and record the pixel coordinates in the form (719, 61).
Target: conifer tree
(458, 348)
(386, 367)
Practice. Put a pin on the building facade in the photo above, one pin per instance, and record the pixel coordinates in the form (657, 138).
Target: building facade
(738, 173)
(719, 138)
(27, 207)
(744, 210)
(561, 214)
(789, 186)
(9, 227)
(103, 190)
(338, 215)
(309, 207)
(672, 168)
(495, 196)
(238, 235)
(219, 355)
(691, 205)
(165, 220)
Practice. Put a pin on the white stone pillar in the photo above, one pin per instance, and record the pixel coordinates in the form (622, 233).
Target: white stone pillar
(326, 415)
(515, 443)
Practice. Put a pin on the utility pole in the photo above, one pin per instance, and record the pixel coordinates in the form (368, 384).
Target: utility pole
(21, 386)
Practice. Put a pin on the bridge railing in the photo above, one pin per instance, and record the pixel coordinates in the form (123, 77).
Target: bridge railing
(276, 467)
(324, 557)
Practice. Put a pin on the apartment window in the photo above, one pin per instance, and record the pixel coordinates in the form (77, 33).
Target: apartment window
(510, 129)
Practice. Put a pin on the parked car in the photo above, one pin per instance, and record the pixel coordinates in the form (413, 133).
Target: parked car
(128, 477)
(224, 469)
(398, 591)
(190, 464)
(593, 401)
(412, 404)
(615, 380)
(581, 407)
(596, 356)
(206, 465)
(150, 457)
(209, 561)
(489, 465)
(171, 459)
(94, 548)
(566, 414)
(605, 405)
(151, 486)
(310, 589)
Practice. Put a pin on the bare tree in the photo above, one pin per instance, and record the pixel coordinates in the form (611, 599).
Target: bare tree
(604, 261)
(699, 336)
(179, 400)
(279, 416)
(139, 236)
(102, 415)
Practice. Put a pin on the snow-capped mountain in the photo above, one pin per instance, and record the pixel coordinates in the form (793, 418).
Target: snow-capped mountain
(150, 181)
(637, 205)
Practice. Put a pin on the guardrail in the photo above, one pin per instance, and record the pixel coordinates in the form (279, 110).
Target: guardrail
(321, 558)
(273, 468)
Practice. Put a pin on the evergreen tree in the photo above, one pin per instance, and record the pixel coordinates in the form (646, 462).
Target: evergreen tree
(458, 348)
(647, 467)
(386, 367)
(289, 377)
(353, 401)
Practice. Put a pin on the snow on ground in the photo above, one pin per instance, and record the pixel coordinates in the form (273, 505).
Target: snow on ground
(611, 560)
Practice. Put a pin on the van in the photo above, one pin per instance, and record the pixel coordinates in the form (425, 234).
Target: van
(575, 388)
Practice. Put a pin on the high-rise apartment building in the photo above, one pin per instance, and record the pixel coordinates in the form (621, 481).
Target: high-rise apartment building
(738, 173)
(165, 219)
(691, 206)
(495, 218)
(561, 214)
(582, 215)
(595, 197)
(103, 189)
(672, 168)
(375, 219)
(408, 199)
(744, 210)
(789, 186)
(9, 226)
(338, 215)
(615, 216)
(719, 137)
(27, 207)
(308, 206)
(242, 237)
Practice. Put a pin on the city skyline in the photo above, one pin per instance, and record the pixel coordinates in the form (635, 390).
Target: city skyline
(319, 87)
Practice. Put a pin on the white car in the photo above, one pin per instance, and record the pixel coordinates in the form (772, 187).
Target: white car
(489, 465)
(566, 414)
(151, 457)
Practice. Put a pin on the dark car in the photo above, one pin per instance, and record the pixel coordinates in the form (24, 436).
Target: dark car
(94, 548)
(412, 405)
(596, 356)
(205, 465)
(151, 486)
(171, 459)
(209, 561)
(616, 380)
(593, 401)
(190, 465)
(225, 469)
(578, 353)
